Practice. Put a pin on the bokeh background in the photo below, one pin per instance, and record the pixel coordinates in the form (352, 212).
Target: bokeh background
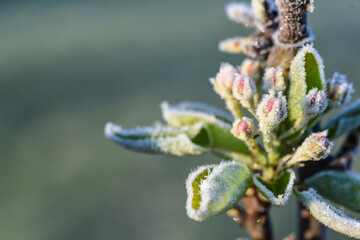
(67, 67)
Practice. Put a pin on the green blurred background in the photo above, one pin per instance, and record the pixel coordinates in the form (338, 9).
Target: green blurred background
(68, 67)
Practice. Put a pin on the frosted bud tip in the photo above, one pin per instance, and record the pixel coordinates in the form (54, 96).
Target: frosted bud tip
(244, 89)
(314, 103)
(240, 13)
(314, 147)
(223, 82)
(274, 79)
(271, 111)
(339, 89)
(243, 128)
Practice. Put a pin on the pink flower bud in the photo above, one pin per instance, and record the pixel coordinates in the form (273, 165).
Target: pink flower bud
(254, 69)
(339, 89)
(314, 103)
(223, 82)
(314, 147)
(271, 111)
(243, 128)
(274, 79)
(244, 89)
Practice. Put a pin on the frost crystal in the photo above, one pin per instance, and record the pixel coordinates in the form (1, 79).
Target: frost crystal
(274, 79)
(314, 103)
(339, 89)
(224, 80)
(243, 129)
(271, 111)
(244, 89)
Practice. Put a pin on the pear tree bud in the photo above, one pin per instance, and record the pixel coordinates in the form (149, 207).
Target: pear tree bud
(234, 45)
(244, 89)
(243, 129)
(314, 103)
(223, 82)
(274, 79)
(254, 69)
(271, 111)
(339, 90)
(240, 13)
(314, 147)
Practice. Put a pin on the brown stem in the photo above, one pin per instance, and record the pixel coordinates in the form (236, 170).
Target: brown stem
(254, 215)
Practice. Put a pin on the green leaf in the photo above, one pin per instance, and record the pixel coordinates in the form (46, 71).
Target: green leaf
(279, 191)
(345, 121)
(214, 189)
(327, 214)
(306, 73)
(160, 139)
(217, 121)
(339, 187)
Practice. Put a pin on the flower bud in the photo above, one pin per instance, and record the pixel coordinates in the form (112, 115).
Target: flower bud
(314, 147)
(314, 103)
(274, 79)
(254, 69)
(234, 45)
(224, 80)
(339, 89)
(240, 13)
(271, 111)
(243, 129)
(244, 89)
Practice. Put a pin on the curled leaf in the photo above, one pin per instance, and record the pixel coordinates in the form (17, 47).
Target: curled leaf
(327, 214)
(278, 192)
(158, 139)
(214, 189)
(218, 124)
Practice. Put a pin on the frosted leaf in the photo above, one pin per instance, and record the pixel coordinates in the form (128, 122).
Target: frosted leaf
(306, 73)
(345, 121)
(280, 191)
(214, 189)
(327, 214)
(218, 126)
(339, 187)
(157, 139)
